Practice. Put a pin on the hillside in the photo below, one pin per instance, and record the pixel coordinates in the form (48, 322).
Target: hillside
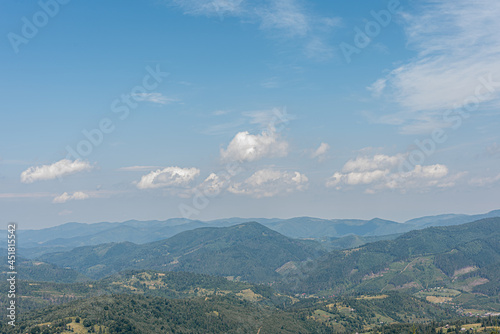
(173, 285)
(307, 227)
(143, 315)
(242, 252)
(42, 271)
(127, 313)
(463, 258)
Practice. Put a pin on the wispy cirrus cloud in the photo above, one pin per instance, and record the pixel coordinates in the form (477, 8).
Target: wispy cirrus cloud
(320, 152)
(157, 98)
(484, 181)
(60, 168)
(454, 50)
(137, 168)
(218, 8)
(289, 19)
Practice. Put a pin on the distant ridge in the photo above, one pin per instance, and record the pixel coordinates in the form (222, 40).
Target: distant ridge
(248, 251)
(34, 243)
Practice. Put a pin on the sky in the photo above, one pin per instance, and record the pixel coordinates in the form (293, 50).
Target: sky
(205, 109)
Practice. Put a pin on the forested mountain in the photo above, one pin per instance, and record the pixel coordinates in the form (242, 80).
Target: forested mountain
(464, 257)
(247, 251)
(34, 243)
(440, 270)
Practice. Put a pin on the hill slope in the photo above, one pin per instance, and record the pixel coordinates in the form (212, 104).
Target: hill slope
(248, 251)
(465, 258)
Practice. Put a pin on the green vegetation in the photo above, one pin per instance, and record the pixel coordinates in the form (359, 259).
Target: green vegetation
(400, 284)
(144, 315)
(249, 252)
(174, 285)
(41, 271)
(464, 257)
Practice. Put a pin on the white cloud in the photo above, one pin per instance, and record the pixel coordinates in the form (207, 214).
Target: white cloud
(76, 196)
(320, 151)
(210, 7)
(286, 16)
(355, 178)
(456, 45)
(484, 181)
(381, 172)
(366, 163)
(58, 169)
(283, 19)
(155, 98)
(269, 119)
(137, 168)
(168, 177)
(377, 87)
(318, 49)
(269, 182)
(214, 184)
(247, 147)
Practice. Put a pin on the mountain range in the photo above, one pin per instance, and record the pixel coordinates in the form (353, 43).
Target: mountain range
(34, 243)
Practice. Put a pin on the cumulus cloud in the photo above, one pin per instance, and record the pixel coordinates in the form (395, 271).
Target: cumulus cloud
(320, 152)
(76, 196)
(380, 172)
(367, 163)
(58, 169)
(168, 177)
(270, 182)
(215, 183)
(247, 147)
(455, 49)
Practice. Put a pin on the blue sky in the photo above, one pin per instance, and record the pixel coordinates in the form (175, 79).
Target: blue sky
(279, 108)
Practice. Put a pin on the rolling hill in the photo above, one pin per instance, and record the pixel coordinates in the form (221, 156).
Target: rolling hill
(132, 313)
(464, 258)
(247, 251)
